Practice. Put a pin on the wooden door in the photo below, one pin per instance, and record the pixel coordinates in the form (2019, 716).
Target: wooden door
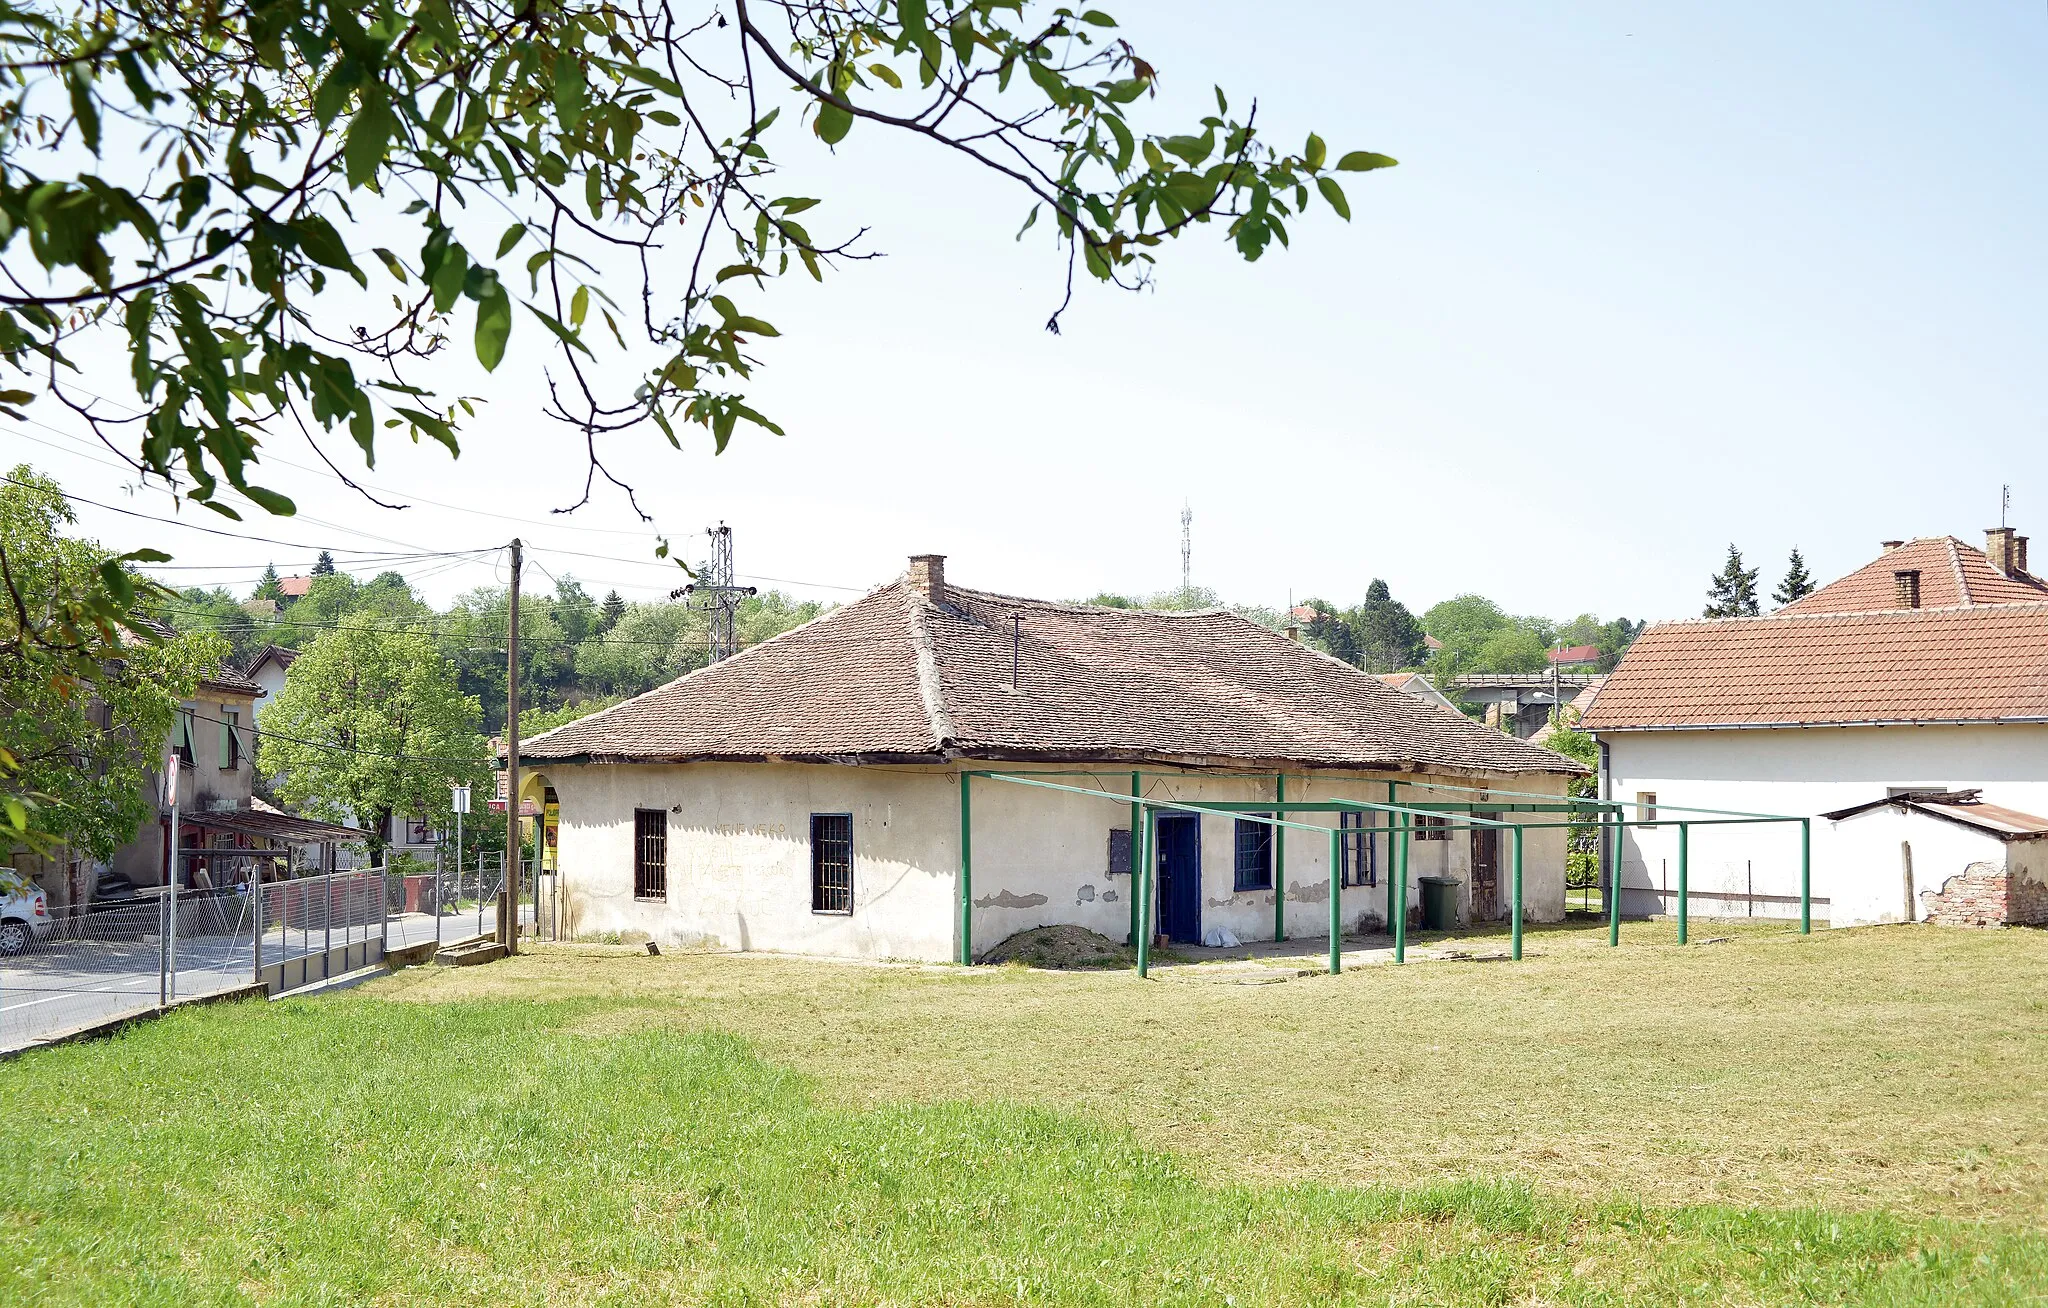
(1485, 874)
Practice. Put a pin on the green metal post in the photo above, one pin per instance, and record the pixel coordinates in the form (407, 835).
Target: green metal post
(1610, 835)
(1515, 932)
(1683, 854)
(1336, 903)
(1137, 793)
(1806, 876)
(1142, 879)
(966, 872)
(1397, 895)
(1280, 862)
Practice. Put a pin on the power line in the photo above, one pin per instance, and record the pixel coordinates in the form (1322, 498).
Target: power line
(260, 731)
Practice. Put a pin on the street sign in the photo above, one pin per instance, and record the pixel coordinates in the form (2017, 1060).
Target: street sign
(461, 794)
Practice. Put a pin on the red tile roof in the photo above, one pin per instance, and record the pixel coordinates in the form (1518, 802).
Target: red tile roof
(1984, 663)
(1576, 654)
(294, 587)
(1951, 574)
(894, 676)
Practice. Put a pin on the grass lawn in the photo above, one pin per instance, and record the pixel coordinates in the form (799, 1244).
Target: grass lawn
(1856, 1117)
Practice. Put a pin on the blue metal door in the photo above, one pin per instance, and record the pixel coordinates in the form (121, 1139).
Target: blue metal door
(1180, 877)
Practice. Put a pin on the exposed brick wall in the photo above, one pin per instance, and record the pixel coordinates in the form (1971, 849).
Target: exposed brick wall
(1980, 896)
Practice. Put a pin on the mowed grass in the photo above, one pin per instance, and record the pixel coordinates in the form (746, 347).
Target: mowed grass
(587, 1126)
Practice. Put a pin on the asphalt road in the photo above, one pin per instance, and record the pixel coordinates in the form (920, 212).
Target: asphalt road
(63, 984)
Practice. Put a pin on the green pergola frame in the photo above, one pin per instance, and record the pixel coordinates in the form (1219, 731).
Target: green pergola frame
(1145, 813)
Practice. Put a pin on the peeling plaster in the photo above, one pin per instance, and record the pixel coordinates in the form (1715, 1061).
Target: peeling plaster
(1085, 895)
(1315, 892)
(1109, 896)
(1004, 899)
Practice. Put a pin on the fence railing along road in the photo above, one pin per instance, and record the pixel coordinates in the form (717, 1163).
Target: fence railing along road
(134, 955)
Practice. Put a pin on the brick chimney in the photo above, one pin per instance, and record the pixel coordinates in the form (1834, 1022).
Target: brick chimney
(2001, 543)
(2019, 547)
(928, 576)
(1906, 587)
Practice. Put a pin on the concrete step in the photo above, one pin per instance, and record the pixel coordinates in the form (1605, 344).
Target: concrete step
(470, 952)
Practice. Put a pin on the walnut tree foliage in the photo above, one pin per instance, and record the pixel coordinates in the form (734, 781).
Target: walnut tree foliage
(287, 208)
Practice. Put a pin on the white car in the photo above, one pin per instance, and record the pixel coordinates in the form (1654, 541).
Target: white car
(24, 918)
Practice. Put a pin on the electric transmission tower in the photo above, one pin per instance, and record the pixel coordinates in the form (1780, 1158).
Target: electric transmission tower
(1187, 519)
(715, 593)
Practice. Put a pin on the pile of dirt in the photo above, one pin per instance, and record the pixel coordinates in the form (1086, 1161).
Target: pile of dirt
(1061, 948)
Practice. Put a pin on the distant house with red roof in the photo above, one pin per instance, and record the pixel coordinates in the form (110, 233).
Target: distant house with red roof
(1922, 673)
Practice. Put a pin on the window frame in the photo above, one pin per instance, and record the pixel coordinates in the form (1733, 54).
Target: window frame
(1357, 833)
(820, 896)
(1432, 826)
(183, 745)
(230, 739)
(643, 891)
(1130, 851)
(1244, 876)
(1646, 809)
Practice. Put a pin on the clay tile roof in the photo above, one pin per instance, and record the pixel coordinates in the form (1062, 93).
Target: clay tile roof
(294, 587)
(1985, 663)
(1576, 654)
(894, 675)
(1951, 574)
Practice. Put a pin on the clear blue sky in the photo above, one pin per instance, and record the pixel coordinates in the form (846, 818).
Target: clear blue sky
(1650, 279)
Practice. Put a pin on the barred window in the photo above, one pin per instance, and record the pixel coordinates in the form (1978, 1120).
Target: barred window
(650, 853)
(1254, 854)
(1356, 848)
(1432, 828)
(831, 862)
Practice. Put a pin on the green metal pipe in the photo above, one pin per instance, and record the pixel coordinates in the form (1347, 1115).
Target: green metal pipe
(1684, 851)
(1336, 904)
(1142, 887)
(966, 872)
(1806, 876)
(1137, 793)
(1280, 862)
(1397, 901)
(1610, 835)
(1515, 932)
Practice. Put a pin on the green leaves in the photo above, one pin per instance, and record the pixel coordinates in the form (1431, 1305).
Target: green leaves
(832, 123)
(493, 321)
(1334, 194)
(369, 137)
(1360, 161)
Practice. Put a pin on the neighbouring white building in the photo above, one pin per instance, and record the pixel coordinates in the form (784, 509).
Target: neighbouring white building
(810, 793)
(1922, 674)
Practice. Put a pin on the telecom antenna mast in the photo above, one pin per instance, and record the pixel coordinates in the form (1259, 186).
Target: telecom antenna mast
(716, 594)
(1187, 519)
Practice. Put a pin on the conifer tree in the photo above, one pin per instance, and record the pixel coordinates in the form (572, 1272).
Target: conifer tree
(268, 587)
(324, 565)
(1732, 592)
(610, 612)
(1798, 583)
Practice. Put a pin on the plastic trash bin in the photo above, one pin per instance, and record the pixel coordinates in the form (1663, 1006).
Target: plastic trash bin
(1439, 902)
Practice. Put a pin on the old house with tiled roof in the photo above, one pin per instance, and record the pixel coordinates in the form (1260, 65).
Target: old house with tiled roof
(806, 794)
(1923, 672)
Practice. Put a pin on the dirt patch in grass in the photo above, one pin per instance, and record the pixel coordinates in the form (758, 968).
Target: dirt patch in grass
(1062, 949)
(1896, 1067)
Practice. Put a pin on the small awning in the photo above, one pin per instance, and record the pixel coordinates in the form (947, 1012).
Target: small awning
(1961, 807)
(271, 825)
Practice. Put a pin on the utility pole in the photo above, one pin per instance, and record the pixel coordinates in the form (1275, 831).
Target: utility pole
(508, 896)
(717, 595)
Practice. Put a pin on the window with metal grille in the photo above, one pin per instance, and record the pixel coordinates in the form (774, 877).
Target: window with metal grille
(650, 853)
(1432, 828)
(831, 862)
(1355, 846)
(1254, 855)
(1119, 851)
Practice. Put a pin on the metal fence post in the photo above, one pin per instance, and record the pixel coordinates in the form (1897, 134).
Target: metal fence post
(1397, 901)
(1805, 876)
(479, 892)
(1336, 902)
(256, 938)
(163, 947)
(437, 887)
(1143, 889)
(1683, 854)
(327, 922)
(1611, 833)
(384, 912)
(1516, 934)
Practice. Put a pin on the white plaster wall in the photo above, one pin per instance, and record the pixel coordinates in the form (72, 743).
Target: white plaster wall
(1870, 878)
(739, 869)
(1800, 772)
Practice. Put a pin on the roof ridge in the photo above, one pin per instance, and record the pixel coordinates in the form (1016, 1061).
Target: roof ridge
(1077, 606)
(931, 688)
(1955, 561)
(1782, 616)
